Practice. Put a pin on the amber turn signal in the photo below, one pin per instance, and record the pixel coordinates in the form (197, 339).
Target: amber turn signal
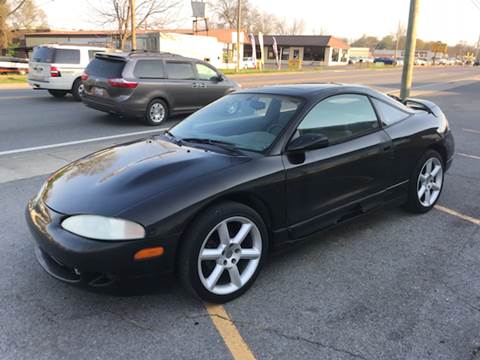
(149, 253)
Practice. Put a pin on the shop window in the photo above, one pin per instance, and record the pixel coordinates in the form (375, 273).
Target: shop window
(335, 54)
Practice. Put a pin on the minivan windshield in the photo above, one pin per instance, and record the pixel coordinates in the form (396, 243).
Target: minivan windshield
(248, 121)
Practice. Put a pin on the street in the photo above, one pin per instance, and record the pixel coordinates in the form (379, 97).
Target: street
(387, 286)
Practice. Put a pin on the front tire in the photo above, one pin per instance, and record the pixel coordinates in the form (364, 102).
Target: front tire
(157, 112)
(222, 252)
(78, 89)
(426, 183)
(57, 93)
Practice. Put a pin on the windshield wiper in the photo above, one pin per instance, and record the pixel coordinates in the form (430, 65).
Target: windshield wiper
(225, 145)
(176, 140)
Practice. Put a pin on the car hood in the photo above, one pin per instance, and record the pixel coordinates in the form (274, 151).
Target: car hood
(117, 178)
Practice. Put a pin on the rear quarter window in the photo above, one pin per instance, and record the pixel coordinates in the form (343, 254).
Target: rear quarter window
(67, 56)
(149, 69)
(106, 68)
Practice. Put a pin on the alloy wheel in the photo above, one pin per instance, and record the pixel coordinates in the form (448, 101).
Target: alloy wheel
(229, 255)
(157, 112)
(430, 182)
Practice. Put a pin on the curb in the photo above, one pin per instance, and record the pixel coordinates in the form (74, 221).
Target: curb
(14, 86)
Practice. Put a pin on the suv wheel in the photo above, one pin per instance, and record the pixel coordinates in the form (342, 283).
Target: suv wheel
(57, 93)
(157, 112)
(78, 90)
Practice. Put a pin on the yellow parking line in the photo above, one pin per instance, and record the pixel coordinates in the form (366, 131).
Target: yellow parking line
(229, 332)
(469, 156)
(457, 214)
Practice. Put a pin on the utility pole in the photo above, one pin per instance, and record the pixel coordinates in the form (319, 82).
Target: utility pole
(477, 51)
(239, 18)
(411, 40)
(133, 25)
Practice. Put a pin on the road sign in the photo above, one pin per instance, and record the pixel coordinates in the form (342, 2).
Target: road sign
(439, 47)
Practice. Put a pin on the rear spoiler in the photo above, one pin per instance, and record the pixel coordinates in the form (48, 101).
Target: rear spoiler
(104, 55)
(419, 105)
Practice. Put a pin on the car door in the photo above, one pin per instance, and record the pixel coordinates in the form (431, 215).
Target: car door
(181, 85)
(323, 183)
(210, 84)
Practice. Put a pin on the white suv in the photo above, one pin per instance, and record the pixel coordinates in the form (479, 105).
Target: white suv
(58, 68)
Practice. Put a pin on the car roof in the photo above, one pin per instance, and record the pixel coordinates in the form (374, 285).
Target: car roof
(149, 55)
(306, 90)
(60, 46)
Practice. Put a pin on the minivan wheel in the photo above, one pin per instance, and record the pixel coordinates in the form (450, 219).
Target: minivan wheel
(57, 93)
(157, 112)
(223, 252)
(78, 90)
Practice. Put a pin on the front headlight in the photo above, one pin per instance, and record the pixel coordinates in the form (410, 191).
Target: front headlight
(103, 228)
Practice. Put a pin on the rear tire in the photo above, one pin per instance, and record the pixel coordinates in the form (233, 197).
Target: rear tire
(58, 93)
(156, 113)
(222, 252)
(78, 89)
(426, 183)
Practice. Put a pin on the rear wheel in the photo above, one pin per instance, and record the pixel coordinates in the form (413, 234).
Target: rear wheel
(57, 93)
(78, 89)
(426, 183)
(157, 112)
(222, 252)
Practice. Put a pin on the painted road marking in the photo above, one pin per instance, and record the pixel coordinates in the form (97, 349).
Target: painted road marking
(459, 215)
(472, 131)
(229, 333)
(77, 142)
(469, 156)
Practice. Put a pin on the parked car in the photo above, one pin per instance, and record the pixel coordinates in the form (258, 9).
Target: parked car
(13, 65)
(476, 63)
(249, 63)
(152, 86)
(252, 171)
(399, 61)
(420, 61)
(58, 68)
(384, 60)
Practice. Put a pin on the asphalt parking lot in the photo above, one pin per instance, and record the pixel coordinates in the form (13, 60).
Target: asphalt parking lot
(387, 286)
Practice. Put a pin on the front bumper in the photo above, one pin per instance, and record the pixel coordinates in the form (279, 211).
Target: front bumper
(72, 258)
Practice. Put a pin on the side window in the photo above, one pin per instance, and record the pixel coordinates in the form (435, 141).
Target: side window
(180, 70)
(390, 114)
(205, 72)
(340, 117)
(149, 69)
(67, 56)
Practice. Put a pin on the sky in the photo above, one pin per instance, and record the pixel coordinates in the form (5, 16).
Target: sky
(449, 21)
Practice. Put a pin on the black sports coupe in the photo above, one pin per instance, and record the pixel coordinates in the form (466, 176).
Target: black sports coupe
(254, 170)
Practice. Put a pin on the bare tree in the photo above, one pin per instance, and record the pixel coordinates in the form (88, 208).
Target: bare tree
(7, 9)
(28, 17)
(157, 13)
(225, 13)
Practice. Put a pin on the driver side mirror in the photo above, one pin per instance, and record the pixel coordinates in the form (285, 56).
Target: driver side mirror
(217, 78)
(308, 141)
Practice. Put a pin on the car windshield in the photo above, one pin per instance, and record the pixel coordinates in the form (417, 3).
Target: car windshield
(247, 121)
